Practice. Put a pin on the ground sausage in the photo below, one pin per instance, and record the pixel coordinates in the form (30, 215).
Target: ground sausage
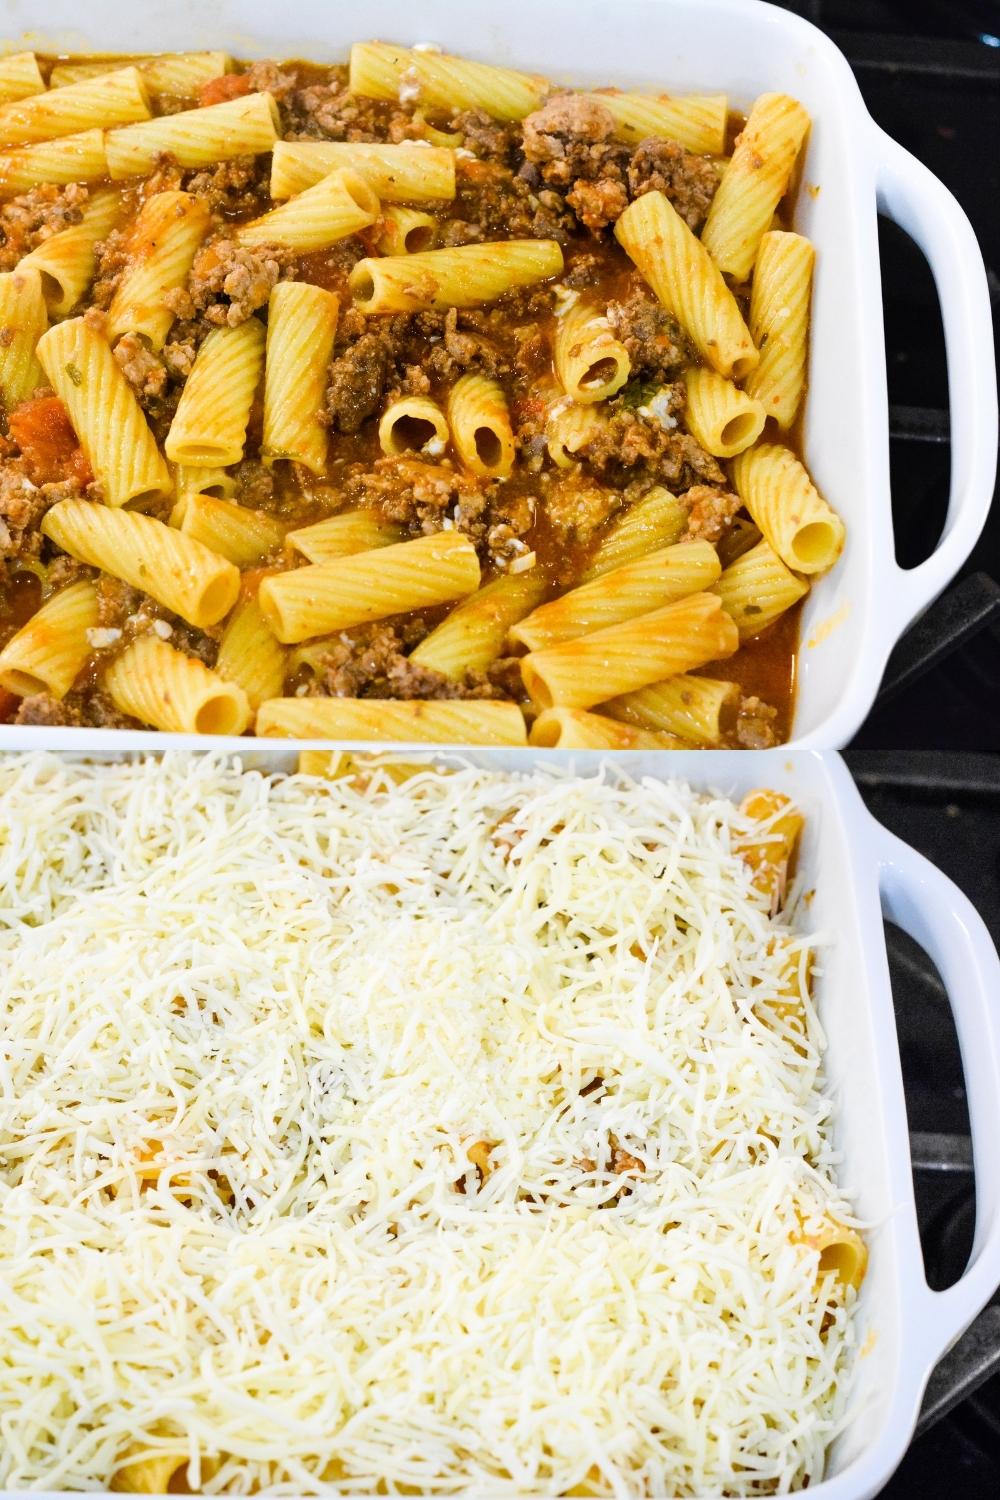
(653, 338)
(712, 512)
(689, 182)
(230, 281)
(628, 445)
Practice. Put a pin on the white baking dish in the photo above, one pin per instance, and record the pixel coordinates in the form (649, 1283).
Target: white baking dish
(855, 616)
(857, 870)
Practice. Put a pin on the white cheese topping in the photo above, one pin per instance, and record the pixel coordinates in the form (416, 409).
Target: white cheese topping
(657, 409)
(252, 1028)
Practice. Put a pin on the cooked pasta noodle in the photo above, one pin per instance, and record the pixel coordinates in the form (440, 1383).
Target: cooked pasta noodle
(162, 247)
(20, 77)
(169, 690)
(49, 652)
(443, 83)
(195, 137)
(334, 208)
(340, 536)
(250, 655)
(782, 499)
(479, 419)
(696, 121)
(591, 363)
(757, 589)
(114, 99)
(73, 158)
(576, 729)
(754, 182)
(233, 531)
(405, 173)
(210, 423)
(724, 419)
(687, 706)
(177, 74)
(635, 588)
(469, 722)
(23, 319)
(413, 424)
(404, 231)
(687, 282)
(301, 327)
(369, 586)
(105, 414)
(621, 658)
(472, 637)
(779, 323)
(66, 261)
(657, 520)
(460, 277)
(175, 570)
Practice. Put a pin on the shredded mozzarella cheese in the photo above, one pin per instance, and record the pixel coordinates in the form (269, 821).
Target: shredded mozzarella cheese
(357, 1135)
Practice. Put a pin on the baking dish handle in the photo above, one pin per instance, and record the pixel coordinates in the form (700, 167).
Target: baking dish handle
(921, 205)
(931, 908)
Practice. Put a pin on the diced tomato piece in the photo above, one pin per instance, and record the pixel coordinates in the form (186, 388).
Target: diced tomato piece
(226, 86)
(42, 430)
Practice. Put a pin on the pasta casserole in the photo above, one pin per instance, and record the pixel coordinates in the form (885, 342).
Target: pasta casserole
(413, 398)
(386, 1129)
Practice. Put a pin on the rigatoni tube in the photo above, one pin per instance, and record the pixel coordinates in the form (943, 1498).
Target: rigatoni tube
(369, 586)
(471, 722)
(195, 137)
(754, 182)
(176, 571)
(161, 246)
(74, 158)
(105, 414)
(576, 729)
(342, 536)
(464, 276)
(337, 206)
(782, 499)
(688, 706)
(721, 417)
(301, 327)
(687, 282)
(472, 637)
(657, 520)
(210, 423)
(406, 173)
(250, 655)
(47, 654)
(779, 323)
(645, 584)
(757, 589)
(621, 658)
(479, 419)
(66, 261)
(170, 690)
(443, 82)
(23, 319)
(115, 99)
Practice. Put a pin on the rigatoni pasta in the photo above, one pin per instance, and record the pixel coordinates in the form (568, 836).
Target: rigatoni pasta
(472, 636)
(590, 362)
(398, 173)
(688, 706)
(621, 658)
(758, 589)
(446, 723)
(340, 536)
(688, 282)
(369, 586)
(114, 99)
(754, 182)
(169, 690)
(210, 423)
(166, 235)
(48, 653)
(195, 137)
(175, 74)
(696, 121)
(724, 419)
(23, 320)
(105, 414)
(576, 729)
(20, 77)
(784, 502)
(413, 424)
(173, 569)
(443, 82)
(335, 208)
(779, 323)
(301, 327)
(479, 420)
(72, 158)
(404, 231)
(236, 532)
(635, 588)
(66, 260)
(462, 277)
(250, 654)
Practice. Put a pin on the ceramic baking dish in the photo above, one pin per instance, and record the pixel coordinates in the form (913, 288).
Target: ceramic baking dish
(858, 871)
(852, 168)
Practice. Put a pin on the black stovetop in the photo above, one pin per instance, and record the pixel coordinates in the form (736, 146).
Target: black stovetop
(927, 760)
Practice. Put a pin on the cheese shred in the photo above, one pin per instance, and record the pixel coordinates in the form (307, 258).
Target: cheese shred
(375, 1138)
